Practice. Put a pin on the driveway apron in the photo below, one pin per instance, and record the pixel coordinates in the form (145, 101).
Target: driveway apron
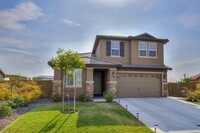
(170, 114)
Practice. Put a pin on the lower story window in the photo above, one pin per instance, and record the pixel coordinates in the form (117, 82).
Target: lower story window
(76, 80)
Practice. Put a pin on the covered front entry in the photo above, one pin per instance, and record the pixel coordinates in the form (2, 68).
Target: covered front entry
(99, 82)
(139, 85)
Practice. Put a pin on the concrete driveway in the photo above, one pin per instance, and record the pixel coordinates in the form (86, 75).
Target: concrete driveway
(170, 114)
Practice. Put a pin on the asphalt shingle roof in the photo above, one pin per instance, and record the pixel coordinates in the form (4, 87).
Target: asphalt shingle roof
(92, 61)
(196, 77)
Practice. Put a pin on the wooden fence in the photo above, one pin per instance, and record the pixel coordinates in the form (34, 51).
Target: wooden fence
(46, 87)
(174, 89)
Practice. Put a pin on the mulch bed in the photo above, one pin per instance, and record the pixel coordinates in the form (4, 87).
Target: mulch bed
(20, 111)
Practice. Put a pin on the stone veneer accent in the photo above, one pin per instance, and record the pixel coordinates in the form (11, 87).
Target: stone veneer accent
(165, 89)
(57, 86)
(112, 86)
(90, 89)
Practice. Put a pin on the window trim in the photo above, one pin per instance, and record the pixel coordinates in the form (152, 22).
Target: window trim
(156, 50)
(147, 55)
(67, 79)
(114, 48)
(143, 49)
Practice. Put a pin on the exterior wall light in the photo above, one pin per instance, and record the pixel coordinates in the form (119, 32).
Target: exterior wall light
(114, 74)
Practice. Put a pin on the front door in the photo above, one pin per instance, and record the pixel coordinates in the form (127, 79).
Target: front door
(98, 83)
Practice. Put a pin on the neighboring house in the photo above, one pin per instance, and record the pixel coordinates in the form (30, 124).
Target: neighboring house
(43, 77)
(2, 75)
(129, 66)
(196, 78)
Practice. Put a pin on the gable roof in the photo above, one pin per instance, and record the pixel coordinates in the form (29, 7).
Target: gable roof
(1, 71)
(140, 37)
(195, 77)
(145, 35)
(91, 60)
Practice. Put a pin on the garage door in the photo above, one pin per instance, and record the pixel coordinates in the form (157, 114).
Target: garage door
(139, 85)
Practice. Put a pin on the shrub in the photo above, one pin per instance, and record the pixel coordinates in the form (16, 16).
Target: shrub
(4, 91)
(56, 97)
(29, 90)
(17, 102)
(109, 96)
(84, 98)
(192, 95)
(5, 110)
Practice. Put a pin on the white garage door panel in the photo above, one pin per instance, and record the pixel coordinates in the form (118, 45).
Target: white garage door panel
(139, 85)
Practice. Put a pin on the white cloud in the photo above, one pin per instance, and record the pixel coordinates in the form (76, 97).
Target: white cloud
(187, 61)
(70, 22)
(26, 11)
(190, 21)
(10, 42)
(149, 4)
(15, 58)
(145, 5)
(17, 51)
(110, 2)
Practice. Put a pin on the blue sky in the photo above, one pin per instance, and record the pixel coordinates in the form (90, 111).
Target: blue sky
(31, 31)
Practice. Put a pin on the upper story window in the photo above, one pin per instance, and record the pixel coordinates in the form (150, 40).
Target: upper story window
(143, 49)
(147, 49)
(115, 49)
(76, 80)
(152, 50)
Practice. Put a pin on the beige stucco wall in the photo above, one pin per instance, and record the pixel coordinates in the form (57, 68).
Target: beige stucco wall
(101, 52)
(135, 59)
(131, 53)
(57, 74)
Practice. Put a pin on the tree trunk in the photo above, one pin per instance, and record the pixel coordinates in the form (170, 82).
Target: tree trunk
(62, 89)
(74, 92)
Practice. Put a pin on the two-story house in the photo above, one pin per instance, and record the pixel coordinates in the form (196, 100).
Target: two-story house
(129, 66)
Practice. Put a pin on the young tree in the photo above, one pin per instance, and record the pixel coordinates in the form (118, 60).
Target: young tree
(66, 61)
(185, 79)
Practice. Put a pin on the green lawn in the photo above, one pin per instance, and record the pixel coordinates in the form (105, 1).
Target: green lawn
(91, 118)
(197, 103)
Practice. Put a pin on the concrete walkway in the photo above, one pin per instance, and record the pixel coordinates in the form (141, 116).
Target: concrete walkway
(170, 114)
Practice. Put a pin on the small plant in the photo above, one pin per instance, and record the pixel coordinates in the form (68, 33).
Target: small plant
(5, 110)
(84, 98)
(17, 102)
(56, 97)
(192, 95)
(109, 96)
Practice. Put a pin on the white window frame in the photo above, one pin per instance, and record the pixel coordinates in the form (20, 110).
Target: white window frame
(141, 43)
(78, 74)
(154, 50)
(114, 42)
(147, 50)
